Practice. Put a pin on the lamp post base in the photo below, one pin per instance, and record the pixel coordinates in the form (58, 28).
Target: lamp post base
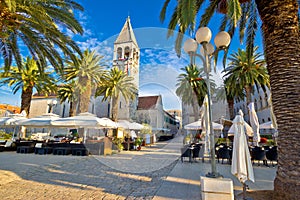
(213, 175)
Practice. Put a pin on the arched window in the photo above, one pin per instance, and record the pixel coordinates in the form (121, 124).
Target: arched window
(263, 120)
(127, 52)
(119, 53)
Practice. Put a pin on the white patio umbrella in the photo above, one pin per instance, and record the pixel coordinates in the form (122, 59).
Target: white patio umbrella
(254, 123)
(39, 121)
(129, 125)
(84, 120)
(267, 125)
(197, 125)
(241, 165)
(10, 121)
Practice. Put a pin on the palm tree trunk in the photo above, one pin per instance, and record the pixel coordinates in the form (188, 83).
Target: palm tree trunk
(85, 96)
(282, 44)
(115, 108)
(26, 99)
(231, 108)
(248, 90)
(196, 108)
(72, 110)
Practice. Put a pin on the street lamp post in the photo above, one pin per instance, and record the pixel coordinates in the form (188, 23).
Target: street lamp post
(51, 103)
(222, 40)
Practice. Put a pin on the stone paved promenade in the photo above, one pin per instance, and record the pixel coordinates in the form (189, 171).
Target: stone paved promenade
(153, 173)
(127, 175)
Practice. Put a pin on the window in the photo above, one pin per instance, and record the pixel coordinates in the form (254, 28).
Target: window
(127, 53)
(119, 53)
(255, 104)
(266, 100)
(261, 102)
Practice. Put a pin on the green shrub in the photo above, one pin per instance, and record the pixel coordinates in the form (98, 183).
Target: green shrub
(5, 136)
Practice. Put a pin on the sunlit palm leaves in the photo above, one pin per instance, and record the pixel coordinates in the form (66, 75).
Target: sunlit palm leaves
(86, 71)
(243, 73)
(114, 84)
(38, 25)
(27, 77)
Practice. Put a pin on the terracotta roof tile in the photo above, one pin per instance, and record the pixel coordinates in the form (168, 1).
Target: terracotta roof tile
(147, 102)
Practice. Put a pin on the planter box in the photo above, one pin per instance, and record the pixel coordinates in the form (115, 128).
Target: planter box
(216, 188)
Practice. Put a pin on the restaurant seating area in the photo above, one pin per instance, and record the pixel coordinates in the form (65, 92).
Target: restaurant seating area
(191, 151)
(260, 155)
(51, 148)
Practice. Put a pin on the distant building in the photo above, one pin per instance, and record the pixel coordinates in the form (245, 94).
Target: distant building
(5, 108)
(261, 104)
(219, 109)
(150, 110)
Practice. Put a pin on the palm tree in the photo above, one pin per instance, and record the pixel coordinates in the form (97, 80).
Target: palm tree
(38, 26)
(280, 26)
(86, 71)
(230, 92)
(190, 84)
(115, 84)
(66, 92)
(243, 73)
(26, 79)
(237, 13)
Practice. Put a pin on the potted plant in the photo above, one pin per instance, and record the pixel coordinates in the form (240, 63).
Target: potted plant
(138, 142)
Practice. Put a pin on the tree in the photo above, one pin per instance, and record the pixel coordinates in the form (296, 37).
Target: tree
(26, 79)
(115, 84)
(280, 26)
(37, 25)
(244, 73)
(87, 71)
(233, 92)
(191, 88)
(66, 92)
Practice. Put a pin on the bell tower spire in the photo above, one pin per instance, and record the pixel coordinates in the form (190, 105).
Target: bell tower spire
(127, 58)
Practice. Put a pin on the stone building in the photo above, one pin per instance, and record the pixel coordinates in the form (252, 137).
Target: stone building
(150, 110)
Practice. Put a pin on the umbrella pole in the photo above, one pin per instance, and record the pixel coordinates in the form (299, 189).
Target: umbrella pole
(245, 186)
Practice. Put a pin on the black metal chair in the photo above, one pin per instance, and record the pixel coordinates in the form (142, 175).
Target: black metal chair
(186, 152)
(259, 154)
(224, 153)
(272, 155)
(196, 151)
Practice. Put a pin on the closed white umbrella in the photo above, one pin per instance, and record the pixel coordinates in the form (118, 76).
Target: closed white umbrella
(254, 123)
(205, 124)
(247, 127)
(241, 165)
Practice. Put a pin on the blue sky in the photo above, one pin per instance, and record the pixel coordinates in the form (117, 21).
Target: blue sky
(103, 20)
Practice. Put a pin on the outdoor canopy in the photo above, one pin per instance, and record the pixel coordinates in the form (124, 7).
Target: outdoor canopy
(267, 125)
(84, 120)
(39, 121)
(129, 125)
(198, 126)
